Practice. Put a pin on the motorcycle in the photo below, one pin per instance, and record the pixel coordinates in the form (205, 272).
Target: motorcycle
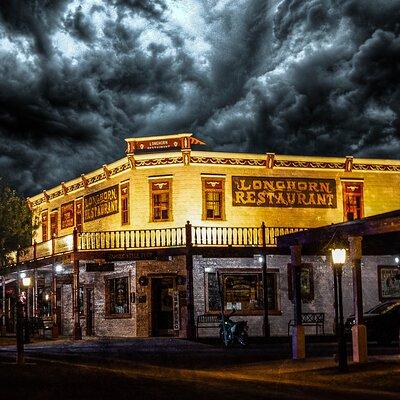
(232, 332)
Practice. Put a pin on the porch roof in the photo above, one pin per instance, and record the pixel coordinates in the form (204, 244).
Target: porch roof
(380, 233)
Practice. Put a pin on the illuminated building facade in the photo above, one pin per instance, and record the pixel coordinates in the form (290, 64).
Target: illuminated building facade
(141, 241)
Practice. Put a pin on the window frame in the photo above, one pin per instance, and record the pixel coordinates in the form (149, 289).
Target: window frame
(206, 190)
(79, 214)
(45, 225)
(124, 186)
(305, 297)
(154, 192)
(240, 271)
(53, 216)
(107, 297)
(347, 194)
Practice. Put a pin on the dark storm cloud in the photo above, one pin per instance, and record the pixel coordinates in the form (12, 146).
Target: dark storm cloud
(291, 76)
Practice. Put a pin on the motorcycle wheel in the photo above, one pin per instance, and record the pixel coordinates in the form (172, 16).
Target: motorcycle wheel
(227, 342)
(243, 339)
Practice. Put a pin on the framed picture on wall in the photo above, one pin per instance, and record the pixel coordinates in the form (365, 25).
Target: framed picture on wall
(389, 282)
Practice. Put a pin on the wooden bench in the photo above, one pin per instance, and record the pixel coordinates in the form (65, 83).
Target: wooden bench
(207, 321)
(311, 319)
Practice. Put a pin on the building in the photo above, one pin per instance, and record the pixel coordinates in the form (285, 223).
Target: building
(135, 247)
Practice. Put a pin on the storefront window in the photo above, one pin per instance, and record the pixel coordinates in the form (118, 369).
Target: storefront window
(117, 296)
(241, 291)
(125, 204)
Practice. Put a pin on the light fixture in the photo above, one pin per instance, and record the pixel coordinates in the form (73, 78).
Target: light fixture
(338, 256)
(59, 268)
(46, 297)
(396, 260)
(22, 275)
(26, 282)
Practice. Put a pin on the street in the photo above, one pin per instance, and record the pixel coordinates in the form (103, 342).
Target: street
(179, 369)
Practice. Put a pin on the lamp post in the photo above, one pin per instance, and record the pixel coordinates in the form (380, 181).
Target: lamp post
(26, 283)
(339, 258)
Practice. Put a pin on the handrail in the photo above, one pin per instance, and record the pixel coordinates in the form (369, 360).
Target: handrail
(137, 239)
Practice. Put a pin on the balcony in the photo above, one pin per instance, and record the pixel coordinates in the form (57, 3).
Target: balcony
(148, 239)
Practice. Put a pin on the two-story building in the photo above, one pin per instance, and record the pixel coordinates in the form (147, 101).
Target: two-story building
(141, 246)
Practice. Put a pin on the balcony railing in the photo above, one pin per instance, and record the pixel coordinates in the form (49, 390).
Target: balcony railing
(138, 239)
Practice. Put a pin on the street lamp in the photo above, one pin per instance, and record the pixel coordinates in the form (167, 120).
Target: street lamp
(339, 258)
(26, 283)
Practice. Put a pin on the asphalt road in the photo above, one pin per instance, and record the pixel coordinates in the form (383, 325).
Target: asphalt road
(179, 369)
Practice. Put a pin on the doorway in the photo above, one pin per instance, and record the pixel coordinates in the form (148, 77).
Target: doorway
(162, 306)
(89, 312)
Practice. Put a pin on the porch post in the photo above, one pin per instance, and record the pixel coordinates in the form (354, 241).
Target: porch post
(54, 329)
(359, 331)
(190, 329)
(298, 337)
(266, 327)
(3, 306)
(35, 294)
(77, 334)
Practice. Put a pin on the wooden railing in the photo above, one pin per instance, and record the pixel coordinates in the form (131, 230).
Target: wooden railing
(238, 236)
(198, 236)
(134, 239)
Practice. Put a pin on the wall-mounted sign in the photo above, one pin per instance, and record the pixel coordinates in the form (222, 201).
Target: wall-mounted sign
(101, 204)
(175, 310)
(252, 191)
(67, 215)
(97, 267)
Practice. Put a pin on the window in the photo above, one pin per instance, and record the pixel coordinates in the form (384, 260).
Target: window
(125, 203)
(81, 301)
(213, 199)
(78, 216)
(306, 282)
(352, 200)
(241, 291)
(161, 201)
(54, 224)
(45, 226)
(117, 297)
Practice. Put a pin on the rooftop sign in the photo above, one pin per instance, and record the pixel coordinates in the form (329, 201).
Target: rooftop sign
(182, 141)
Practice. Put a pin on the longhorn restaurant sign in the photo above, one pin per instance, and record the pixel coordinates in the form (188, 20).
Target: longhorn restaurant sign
(252, 191)
(102, 203)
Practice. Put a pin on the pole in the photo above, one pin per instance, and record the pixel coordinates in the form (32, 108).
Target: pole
(342, 348)
(335, 289)
(19, 327)
(221, 297)
(266, 327)
(3, 316)
(191, 331)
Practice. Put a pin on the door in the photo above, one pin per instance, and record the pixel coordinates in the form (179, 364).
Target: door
(162, 306)
(89, 312)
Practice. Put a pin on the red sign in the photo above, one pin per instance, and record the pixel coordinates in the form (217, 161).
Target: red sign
(67, 215)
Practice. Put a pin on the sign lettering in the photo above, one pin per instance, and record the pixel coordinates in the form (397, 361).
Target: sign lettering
(67, 215)
(253, 191)
(101, 204)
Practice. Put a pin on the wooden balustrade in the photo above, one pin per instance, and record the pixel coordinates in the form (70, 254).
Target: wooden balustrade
(188, 235)
(133, 239)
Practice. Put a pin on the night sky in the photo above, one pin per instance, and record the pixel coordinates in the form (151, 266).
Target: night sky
(315, 77)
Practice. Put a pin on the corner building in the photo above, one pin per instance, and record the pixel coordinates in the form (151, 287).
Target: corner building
(136, 247)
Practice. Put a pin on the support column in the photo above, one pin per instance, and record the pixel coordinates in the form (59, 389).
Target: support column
(190, 329)
(359, 331)
(35, 294)
(3, 307)
(77, 335)
(54, 329)
(298, 336)
(266, 327)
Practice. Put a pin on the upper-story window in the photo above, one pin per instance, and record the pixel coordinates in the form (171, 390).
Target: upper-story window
(54, 224)
(213, 199)
(78, 215)
(353, 203)
(45, 225)
(124, 203)
(160, 196)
